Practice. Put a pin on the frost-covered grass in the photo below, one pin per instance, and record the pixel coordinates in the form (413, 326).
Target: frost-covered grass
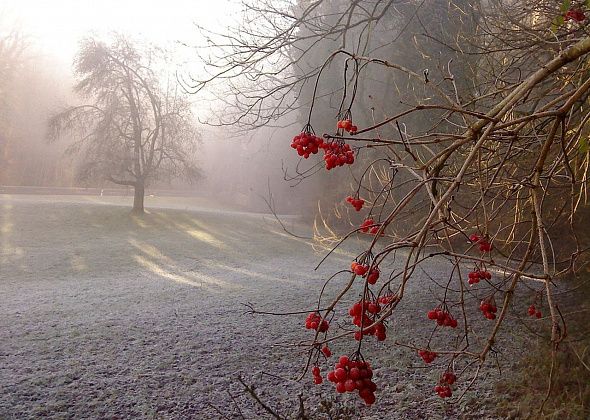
(106, 315)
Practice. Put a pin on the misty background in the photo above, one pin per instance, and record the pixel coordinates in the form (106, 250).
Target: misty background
(40, 42)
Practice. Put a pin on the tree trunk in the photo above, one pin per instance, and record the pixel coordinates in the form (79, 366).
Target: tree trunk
(139, 193)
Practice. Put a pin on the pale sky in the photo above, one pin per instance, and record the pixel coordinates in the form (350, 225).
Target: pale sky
(56, 26)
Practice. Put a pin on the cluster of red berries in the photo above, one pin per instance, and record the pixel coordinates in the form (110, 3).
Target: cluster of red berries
(367, 227)
(307, 144)
(314, 321)
(477, 275)
(576, 15)
(337, 154)
(534, 311)
(317, 377)
(444, 388)
(484, 244)
(427, 355)
(357, 203)
(347, 125)
(443, 391)
(359, 269)
(350, 376)
(363, 314)
(488, 308)
(363, 270)
(366, 224)
(387, 299)
(442, 318)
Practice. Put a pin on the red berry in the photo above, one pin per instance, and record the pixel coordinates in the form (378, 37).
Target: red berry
(427, 355)
(357, 308)
(373, 276)
(350, 385)
(360, 270)
(373, 308)
(364, 392)
(326, 350)
(369, 398)
(340, 374)
(449, 378)
(443, 391)
(485, 246)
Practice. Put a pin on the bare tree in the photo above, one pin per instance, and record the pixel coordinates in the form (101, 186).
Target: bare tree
(132, 130)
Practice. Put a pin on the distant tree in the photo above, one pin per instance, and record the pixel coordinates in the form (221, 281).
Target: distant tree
(12, 56)
(132, 129)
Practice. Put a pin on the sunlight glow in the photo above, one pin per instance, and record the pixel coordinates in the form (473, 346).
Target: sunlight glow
(192, 279)
(203, 237)
(57, 26)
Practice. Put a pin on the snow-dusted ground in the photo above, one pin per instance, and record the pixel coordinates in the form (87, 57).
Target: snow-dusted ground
(103, 315)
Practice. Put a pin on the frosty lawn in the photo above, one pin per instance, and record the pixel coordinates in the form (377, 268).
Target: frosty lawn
(104, 314)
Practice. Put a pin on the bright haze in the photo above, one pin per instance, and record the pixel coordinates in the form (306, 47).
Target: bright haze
(56, 27)
(53, 31)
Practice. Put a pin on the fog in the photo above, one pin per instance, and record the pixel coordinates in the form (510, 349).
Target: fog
(40, 43)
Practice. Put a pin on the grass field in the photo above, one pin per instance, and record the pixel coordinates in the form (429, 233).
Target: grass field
(105, 315)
